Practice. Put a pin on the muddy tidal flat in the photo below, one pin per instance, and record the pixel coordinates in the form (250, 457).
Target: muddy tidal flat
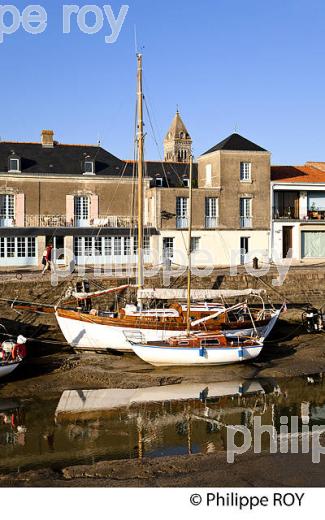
(176, 443)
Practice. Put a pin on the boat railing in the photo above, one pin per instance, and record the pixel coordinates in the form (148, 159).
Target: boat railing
(134, 336)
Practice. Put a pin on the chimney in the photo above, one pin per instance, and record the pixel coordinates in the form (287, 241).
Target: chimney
(47, 138)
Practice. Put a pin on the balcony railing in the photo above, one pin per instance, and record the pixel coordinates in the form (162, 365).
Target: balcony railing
(246, 222)
(60, 221)
(181, 222)
(211, 222)
(285, 212)
(6, 222)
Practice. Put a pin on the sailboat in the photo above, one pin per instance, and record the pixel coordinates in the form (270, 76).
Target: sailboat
(196, 348)
(12, 354)
(87, 328)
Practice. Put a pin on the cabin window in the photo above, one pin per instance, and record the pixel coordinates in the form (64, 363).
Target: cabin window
(183, 343)
(210, 343)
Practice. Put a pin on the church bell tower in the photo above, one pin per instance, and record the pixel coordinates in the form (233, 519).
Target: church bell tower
(178, 142)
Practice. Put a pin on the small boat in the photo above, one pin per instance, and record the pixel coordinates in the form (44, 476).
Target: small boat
(12, 354)
(199, 349)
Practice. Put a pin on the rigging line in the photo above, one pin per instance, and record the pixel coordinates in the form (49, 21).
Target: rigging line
(113, 198)
(162, 162)
(160, 139)
(170, 165)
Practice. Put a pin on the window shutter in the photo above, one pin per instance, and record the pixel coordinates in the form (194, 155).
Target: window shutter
(93, 207)
(70, 209)
(20, 210)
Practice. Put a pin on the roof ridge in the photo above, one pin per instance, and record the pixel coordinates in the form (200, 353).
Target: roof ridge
(56, 144)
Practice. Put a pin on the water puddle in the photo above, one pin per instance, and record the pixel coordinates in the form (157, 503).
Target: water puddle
(82, 427)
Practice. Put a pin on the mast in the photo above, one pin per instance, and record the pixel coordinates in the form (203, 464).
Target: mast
(189, 257)
(140, 143)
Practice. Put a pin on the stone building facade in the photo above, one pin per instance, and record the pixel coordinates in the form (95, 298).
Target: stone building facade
(82, 198)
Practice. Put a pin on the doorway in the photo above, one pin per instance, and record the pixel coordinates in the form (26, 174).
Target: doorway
(244, 249)
(57, 243)
(287, 242)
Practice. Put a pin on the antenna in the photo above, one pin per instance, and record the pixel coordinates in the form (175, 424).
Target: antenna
(236, 128)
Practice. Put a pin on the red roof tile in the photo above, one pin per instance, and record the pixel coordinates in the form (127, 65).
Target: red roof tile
(297, 174)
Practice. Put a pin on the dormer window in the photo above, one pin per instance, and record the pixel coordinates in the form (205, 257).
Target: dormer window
(159, 182)
(89, 166)
(14, 163)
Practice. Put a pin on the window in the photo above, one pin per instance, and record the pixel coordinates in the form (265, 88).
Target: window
(195, 244)
(211, 212)
(21, 247)
(14, 164)
(146, 245)
(98, 246)
(244, 249)
(245, 213)
(168, 247)
(186, 183)
(108, 246)
(17, 247)
(89, 167)
(117, 246)
(78, 246)
(81, 210)
(88, 246)
(159, 182)
(208, 175)
(7, 210)
(245, 171)
(181, 212)
(10, 247)
(31, 249)
(127, 246)
(2, 247)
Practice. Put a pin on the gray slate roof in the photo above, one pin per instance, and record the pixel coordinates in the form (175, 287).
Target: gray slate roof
(65, 159)
(236, 142)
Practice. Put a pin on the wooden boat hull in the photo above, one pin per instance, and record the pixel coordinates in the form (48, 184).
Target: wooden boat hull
(164, 356)
(7, 369)
(84, 332)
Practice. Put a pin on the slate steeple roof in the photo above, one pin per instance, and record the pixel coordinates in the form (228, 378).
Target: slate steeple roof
(177, 128)
(236, 142)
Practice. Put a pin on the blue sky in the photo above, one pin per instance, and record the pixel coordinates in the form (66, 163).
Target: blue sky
(252, 65)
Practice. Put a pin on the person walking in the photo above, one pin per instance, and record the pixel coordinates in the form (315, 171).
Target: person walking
(47, 259)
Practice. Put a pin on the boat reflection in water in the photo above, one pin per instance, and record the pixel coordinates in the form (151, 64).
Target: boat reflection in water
(82, 427)
(162, 416)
